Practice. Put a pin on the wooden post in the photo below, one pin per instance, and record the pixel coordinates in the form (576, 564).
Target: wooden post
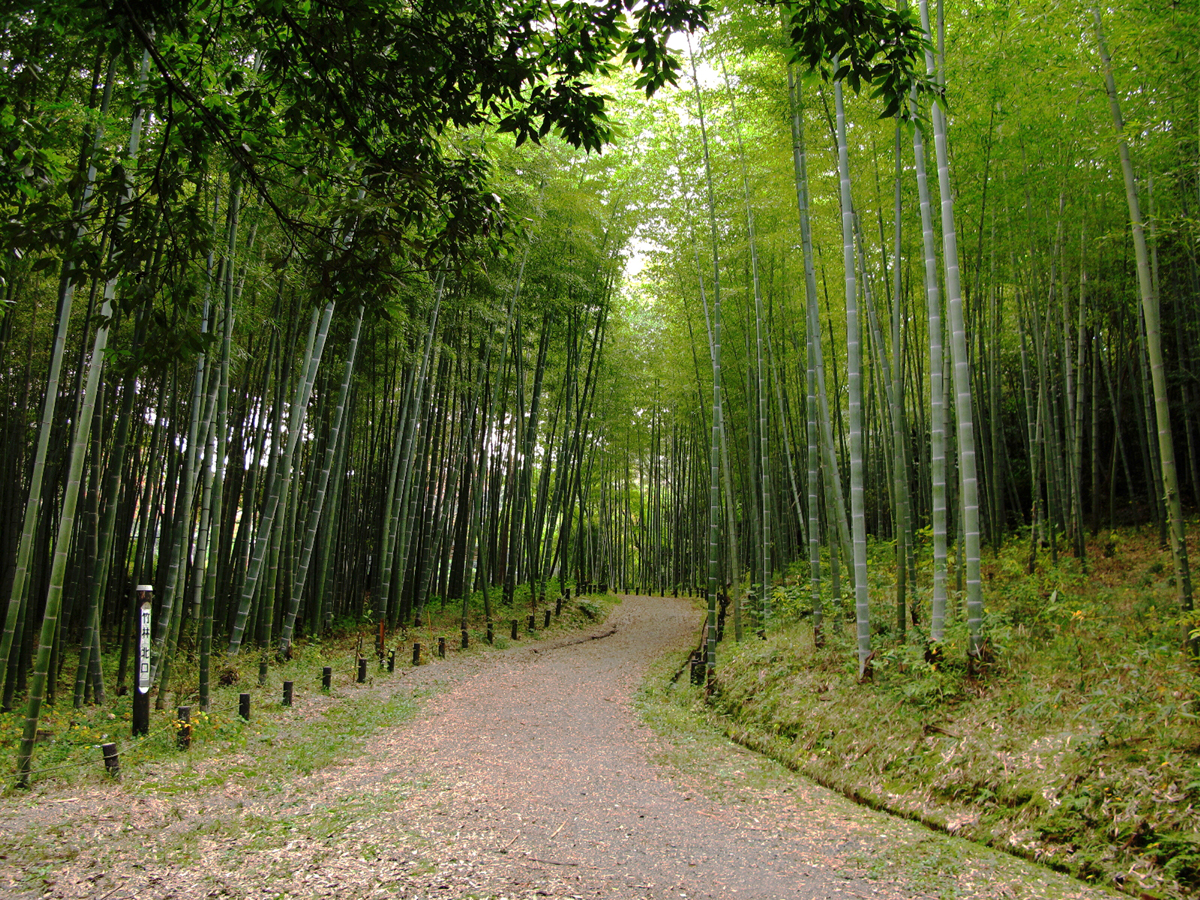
(244, 706)
(416, 654)
(287, 693)
(466, 639)
(362, 670)
(491, 632)
(558, 607)
(515, 624)
(392, 660)
(532, 623)
(112, 762)
(327, 678)
(546, 624)
(183, 738)
(441, 648)
(141, 689)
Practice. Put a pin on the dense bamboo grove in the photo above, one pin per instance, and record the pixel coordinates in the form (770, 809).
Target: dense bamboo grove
(300, 352)
(992, 356)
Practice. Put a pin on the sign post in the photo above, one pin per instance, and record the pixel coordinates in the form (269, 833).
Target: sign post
(141, 690)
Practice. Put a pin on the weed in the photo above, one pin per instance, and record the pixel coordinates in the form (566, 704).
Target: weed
(1076, 746)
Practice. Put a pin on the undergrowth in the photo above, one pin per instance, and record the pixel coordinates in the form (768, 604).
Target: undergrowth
(1077, 745)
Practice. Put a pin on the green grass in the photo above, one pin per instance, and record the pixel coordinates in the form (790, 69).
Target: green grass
(1077, 746)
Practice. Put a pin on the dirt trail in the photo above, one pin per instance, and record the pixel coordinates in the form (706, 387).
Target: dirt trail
(527, 775)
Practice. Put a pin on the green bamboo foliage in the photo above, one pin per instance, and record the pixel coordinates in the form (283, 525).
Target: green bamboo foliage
(33, 505)
(900, 461)
(300, 578)
(714, 483)
(507, 411)
(1151, 318)
(765, 494)
(937, 413)
(218, 447)
(813, 347)
(170, 612)
(854, 382)
(281, 484)
(732, 555)
(78, 455)
(892, 390)
(963, 412)
(403, 454)
(832, 478)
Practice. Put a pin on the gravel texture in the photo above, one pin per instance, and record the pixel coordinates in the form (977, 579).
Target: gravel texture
(527, 773)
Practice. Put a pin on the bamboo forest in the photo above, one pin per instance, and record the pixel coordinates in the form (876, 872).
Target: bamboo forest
(329, 316)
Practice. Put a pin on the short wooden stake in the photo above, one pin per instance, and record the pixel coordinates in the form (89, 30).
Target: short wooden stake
(466, 639)
(327, 678)
(416, 654)
(491, 632)
(362, 670)
(441, 648)
(244, 706)
(532, 623)
(287, 693)
(546, 624)
(392, 660)
(515, 625)
(558, 607)
(112, 762)
(183, 724)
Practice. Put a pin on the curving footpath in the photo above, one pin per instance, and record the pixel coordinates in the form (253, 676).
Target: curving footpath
(527, 774)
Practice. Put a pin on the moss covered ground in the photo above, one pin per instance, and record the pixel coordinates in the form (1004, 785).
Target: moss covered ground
(1077, 744)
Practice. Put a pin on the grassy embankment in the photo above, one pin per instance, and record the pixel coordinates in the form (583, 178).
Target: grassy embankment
(1077, 746)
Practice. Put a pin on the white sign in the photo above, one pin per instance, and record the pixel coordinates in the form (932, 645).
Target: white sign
(143, 683)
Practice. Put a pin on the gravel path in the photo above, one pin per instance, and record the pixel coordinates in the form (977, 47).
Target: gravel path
(540, 756)
(526, 774)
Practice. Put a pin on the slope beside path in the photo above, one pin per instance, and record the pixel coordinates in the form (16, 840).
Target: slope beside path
(527, 773)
